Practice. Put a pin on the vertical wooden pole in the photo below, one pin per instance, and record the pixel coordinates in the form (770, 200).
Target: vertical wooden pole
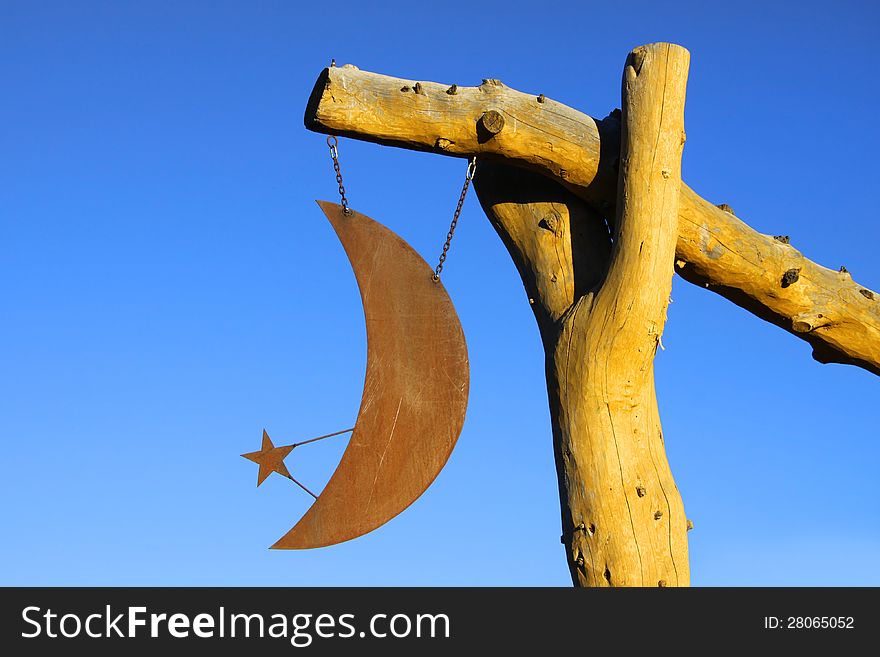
(601, 319)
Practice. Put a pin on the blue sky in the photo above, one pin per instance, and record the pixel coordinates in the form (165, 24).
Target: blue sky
(169, 288)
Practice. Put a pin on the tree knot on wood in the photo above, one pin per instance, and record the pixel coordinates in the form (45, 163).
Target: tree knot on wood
(867, 294)
(490, 84)
(490, 124)
(582, 528)
(806, 322)
(784, 239)
(637, 58)
(791, 276)
(550, 222)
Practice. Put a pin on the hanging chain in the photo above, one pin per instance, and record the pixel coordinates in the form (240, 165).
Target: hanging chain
(471, 170)
(333, 143)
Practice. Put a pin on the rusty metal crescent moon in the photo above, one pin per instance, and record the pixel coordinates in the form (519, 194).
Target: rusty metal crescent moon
(415, 388)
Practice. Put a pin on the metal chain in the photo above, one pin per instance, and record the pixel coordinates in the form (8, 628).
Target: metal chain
(333, 143)
(471, 170)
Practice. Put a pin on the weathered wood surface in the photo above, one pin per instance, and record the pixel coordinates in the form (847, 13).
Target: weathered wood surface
(601, 311)
(715, 249)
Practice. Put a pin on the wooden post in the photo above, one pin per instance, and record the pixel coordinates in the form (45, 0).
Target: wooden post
(601, 311)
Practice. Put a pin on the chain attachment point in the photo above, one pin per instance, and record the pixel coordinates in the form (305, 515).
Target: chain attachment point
(472, 169)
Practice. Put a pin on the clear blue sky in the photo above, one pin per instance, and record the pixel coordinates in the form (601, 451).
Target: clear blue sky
(168, 288)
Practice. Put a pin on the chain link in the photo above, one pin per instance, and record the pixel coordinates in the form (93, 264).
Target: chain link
(333, 143)
(471, 170)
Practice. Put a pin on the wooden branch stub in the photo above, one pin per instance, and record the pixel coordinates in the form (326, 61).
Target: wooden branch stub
(806, 322)
(492, 122)
(791, 276)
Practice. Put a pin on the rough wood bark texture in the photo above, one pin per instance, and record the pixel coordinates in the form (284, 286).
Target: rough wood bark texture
(715, 249)
(601, 311)
(626, 523)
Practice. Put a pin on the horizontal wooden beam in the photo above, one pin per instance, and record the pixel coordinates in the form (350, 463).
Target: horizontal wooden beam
(715, 249)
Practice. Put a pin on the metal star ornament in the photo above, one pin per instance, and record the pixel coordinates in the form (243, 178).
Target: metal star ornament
(270, 459)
